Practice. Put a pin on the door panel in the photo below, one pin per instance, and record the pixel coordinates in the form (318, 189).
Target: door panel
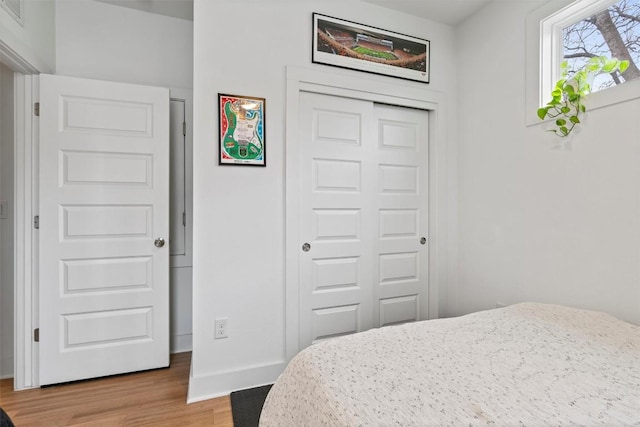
(104, 194)
(110, 327)
(82, 168)
(332, 273)
(334, 321)
(115, 274)
(398, 223)
(398, 310)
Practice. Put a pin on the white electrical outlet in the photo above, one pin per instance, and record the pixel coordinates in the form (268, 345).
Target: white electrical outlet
(221, 328)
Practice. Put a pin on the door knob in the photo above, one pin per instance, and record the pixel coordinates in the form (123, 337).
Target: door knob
(423, 240)
(159, 242)
(306, 247)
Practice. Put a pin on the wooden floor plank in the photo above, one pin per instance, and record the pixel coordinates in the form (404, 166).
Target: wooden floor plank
(152, 398)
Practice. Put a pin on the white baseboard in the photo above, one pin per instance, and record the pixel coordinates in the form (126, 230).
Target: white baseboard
(223, 383)
(6, 368)
(181, 343)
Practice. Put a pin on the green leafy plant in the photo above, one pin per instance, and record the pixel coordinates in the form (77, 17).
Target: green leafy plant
(568, 95)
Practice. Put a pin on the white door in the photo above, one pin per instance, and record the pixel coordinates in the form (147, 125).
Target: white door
(104, 202)
(402, 216)
(336, 280)
(363, 211)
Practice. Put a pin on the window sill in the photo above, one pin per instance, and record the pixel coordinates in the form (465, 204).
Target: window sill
(616, 95)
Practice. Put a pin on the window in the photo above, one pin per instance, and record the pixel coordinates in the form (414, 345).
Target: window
(614, 32)
(573, 30)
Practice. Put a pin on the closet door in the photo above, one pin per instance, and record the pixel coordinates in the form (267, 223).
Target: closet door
(336, 262)
(360, 202)
(402, 202)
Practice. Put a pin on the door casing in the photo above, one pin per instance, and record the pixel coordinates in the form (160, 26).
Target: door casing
(25, 278)
(377, 90)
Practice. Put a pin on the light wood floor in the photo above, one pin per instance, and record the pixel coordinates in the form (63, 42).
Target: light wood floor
(153, 398)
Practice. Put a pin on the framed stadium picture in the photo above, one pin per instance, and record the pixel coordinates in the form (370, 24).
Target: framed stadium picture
(347, 44)
(241, 130)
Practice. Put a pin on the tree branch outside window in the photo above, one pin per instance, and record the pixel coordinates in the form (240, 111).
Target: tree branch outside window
(613, 32)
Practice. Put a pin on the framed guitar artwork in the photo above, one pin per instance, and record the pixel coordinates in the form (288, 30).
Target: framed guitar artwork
(241, 130)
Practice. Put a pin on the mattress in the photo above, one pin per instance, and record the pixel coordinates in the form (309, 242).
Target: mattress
(526, 364)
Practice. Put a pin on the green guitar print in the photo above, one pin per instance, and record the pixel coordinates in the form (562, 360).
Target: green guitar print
(242, 130)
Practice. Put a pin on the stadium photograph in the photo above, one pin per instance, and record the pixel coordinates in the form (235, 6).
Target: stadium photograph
(357, 42)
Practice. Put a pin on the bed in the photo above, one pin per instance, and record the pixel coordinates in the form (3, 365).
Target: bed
(526, 364)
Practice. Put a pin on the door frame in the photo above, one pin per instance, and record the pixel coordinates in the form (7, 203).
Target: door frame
(25, 361)
(367, 88)
(25, 352)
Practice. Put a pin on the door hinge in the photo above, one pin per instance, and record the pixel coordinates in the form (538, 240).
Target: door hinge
(36, 222)
(184, 128)
(36, 109)
(184, 219)
(36, 335)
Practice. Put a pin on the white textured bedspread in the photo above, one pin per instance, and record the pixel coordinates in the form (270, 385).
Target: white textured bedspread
(526, 364)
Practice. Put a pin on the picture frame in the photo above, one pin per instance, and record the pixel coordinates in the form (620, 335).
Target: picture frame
(347, 44)
(241, 130)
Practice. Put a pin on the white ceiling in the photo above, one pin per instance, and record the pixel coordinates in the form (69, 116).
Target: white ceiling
(182, 9)
(450, 12)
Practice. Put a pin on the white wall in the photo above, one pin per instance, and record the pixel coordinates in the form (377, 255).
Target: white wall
(106, 42)
(102, 41)
(243, 48)
(6, 224)
(537, 221)
(34, 41)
